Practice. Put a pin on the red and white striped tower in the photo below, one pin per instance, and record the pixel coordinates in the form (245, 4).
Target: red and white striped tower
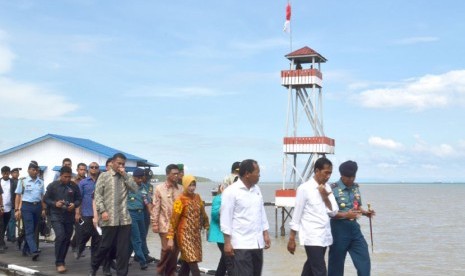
(305, 139)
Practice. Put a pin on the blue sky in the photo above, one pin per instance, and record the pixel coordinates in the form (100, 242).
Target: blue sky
(198, 82)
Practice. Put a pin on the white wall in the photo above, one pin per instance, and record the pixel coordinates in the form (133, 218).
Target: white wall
(51, 153)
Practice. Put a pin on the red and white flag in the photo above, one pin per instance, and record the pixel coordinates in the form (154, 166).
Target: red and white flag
(287, 23)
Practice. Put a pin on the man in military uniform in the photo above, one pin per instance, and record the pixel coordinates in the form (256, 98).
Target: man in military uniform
(345, 229)
(28, 206)
(148, 207)
(137, 200)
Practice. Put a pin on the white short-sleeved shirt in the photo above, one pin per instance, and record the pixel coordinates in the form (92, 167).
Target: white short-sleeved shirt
(311, 216)
(243, 216)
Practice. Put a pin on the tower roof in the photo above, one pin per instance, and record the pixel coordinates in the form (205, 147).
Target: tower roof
(305, 55)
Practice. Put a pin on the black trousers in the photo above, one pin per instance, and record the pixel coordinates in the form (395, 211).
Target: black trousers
(4, 220)
(225, 263)
(315, 264)
(247, 262)
(63, 232)
(186, 267)
(84, 233)
(121, 237)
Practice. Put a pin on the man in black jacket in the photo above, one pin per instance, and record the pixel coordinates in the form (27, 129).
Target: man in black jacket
(62, 197)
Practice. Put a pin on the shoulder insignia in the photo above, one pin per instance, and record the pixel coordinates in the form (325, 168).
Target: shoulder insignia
(333, 185)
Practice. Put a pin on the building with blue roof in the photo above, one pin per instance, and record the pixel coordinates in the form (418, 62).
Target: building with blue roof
(50, 150)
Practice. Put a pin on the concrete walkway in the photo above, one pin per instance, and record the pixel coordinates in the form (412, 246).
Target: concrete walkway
(13, 263)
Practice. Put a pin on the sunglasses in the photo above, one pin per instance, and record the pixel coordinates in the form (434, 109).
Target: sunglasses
(94, 167)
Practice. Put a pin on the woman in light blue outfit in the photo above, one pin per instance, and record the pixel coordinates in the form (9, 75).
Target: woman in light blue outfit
(215, 234)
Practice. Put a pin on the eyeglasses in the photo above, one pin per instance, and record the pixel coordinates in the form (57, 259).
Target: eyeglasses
(94, 167)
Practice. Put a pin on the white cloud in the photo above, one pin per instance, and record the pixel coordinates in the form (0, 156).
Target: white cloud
(442, 150)
(384, 143)
(28, 101)
(6, 57)
(430, 91)
(462, 144)
(416, 40)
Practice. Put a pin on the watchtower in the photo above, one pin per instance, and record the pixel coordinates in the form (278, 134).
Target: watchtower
(305, 140)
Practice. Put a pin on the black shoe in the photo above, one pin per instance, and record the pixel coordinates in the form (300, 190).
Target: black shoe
(113, 264)
(107, 272)
(78, 255)
(143, 266)
(92, 272)
(27, 254)
(35, 256)
(149, 259)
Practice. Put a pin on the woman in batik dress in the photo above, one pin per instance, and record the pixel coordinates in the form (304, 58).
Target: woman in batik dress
(186, 223)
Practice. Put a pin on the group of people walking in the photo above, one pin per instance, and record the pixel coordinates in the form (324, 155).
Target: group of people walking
(114, 211)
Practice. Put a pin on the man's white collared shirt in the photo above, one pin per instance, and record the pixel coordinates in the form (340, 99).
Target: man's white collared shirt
(6, 195)
(243, 216)
(311, 216)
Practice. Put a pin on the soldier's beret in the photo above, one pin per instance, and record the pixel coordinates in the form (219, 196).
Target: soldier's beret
(348, 168)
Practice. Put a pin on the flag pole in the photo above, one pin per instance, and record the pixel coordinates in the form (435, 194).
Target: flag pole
(290, 29)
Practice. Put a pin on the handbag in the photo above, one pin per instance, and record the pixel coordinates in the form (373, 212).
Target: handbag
(44, 228)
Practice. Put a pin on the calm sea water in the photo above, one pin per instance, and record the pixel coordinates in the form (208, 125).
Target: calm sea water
(419, 229)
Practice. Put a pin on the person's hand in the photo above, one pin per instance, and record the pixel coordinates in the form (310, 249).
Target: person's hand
(267, 239)
(122, 171)
(170, 245)
(95, 222)
(370, 213)
(322, 190)
(18, 214)
(291, 246)
(70, 207)
(353, 214)
(105, 216)
(59, 203)
(43, 213)
(228, 249)
(77, 216)
(155, 228)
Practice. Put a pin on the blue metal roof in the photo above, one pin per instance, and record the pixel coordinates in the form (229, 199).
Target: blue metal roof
(82, 143)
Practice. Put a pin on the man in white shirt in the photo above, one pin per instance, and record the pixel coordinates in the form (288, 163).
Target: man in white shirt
(5, 205)
(314, 205)
(244, 223)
